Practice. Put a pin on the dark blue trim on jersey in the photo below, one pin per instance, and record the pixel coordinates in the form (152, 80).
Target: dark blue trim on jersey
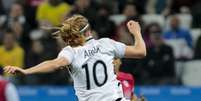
(89, 39)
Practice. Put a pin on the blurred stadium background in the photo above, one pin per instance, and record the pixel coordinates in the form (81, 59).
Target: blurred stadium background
(171, 29)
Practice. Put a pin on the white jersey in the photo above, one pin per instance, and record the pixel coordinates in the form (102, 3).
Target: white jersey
(92, 69)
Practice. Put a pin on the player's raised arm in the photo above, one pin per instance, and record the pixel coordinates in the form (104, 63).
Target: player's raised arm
(44, 67)
(139, 48)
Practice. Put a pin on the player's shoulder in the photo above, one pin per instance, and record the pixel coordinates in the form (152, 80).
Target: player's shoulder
(67, 48)
(67, 52)
(106, 40)
(73, 50)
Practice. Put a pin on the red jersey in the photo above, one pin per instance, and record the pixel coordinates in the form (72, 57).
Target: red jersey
(3, 84)
(127, 82)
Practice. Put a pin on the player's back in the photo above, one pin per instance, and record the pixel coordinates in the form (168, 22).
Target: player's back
(93, 72)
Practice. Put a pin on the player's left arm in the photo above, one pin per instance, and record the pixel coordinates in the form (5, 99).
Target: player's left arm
(44, 67)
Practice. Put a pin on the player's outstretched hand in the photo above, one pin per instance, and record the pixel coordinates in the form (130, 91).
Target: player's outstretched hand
(134, 27)
(14, 70)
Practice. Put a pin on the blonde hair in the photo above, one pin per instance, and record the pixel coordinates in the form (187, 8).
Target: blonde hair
(72, 30)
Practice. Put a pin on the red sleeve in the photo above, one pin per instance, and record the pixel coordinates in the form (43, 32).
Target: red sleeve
(127, 82)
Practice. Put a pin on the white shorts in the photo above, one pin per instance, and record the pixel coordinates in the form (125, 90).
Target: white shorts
(108, 92)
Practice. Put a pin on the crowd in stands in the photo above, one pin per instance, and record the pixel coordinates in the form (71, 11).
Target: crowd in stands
(170, 28)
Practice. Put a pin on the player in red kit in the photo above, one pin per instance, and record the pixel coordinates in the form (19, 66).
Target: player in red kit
(8, 91)
(127, 81)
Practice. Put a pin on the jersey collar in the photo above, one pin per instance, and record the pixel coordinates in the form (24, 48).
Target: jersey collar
(88, 39)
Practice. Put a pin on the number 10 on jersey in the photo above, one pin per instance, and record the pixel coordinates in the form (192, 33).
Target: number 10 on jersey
(94, 67)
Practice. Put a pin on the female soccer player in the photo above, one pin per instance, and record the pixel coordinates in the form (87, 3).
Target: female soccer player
(91, 60)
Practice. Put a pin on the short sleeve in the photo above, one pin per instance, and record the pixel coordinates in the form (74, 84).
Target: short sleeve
(119, 48)
(67, 53)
